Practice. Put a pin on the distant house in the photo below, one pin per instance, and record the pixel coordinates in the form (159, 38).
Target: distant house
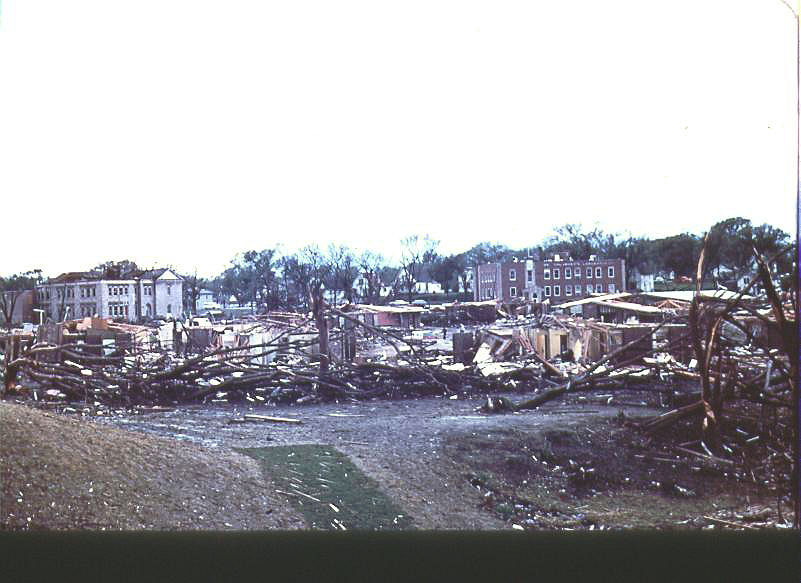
(361, 287)
(206, 300)
(644, 281)
(424, 282)
(394, 316)
(663, 276)
(205, 296)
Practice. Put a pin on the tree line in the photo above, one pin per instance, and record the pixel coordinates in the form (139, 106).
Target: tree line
(274, 280)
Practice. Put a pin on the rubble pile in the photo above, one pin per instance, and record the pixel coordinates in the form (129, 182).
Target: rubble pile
(275, 358)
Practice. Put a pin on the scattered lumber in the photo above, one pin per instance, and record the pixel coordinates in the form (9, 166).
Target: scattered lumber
(669, 418)
(267, 418)
(703, 455)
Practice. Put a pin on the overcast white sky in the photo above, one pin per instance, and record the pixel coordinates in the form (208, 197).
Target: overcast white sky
(184, 131)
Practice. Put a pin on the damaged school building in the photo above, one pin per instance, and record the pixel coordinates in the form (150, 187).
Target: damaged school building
(141, 294)
(556, 279)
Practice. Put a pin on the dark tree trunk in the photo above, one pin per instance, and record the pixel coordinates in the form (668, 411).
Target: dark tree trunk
(318, 310)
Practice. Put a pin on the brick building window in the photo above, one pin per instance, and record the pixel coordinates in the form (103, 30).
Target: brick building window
(598, 272)
(589, 288)
(568, 290)
(546, 274)
(578, 290)
(530, 275)
(512, 275)
(513, 292)
(557, 291)
(577, 273)
(598, 287)
(556, 274)
(611, 288)
(568, 272)
(589, 273)
(611, 271)
(547, 291)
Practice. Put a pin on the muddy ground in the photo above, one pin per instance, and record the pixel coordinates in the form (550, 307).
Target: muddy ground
(578, 463)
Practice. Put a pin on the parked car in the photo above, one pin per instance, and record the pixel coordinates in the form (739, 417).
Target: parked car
(421, 303)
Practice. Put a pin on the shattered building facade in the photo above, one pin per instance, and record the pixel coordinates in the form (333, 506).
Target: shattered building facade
(157, 292)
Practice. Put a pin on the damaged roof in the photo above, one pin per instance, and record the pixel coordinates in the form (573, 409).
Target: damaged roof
(687, 295)
(75, 276)
(594, 299)
(391, 309)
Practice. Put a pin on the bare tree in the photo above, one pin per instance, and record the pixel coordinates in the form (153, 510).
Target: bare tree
(370, 264)
(415, 251)
(12, 288)
(335, 258)
(462, 267)
(61, 294)
(192, 286)
(318, 269)
(344, 270)
(262, 266)
(297, 276)
(8, 302)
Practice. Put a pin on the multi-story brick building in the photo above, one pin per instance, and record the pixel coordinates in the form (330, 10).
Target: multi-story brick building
(143, 294)
(558, 279)
(504, 281)
(563, 279)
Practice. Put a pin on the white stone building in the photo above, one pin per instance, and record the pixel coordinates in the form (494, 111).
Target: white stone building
(146, 294)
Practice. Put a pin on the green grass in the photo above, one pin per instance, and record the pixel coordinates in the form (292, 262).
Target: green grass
(348, 499)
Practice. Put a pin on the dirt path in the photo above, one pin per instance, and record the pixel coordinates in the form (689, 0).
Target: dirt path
(400, 444)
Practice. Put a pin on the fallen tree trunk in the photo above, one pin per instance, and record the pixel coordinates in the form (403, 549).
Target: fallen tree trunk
(673, 416)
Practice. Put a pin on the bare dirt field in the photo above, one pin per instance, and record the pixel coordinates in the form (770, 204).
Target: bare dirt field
(568, 465)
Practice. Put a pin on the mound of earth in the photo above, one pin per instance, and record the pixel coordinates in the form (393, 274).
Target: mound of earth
(60, 473)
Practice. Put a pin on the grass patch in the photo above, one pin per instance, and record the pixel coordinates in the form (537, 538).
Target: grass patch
(330, 492)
